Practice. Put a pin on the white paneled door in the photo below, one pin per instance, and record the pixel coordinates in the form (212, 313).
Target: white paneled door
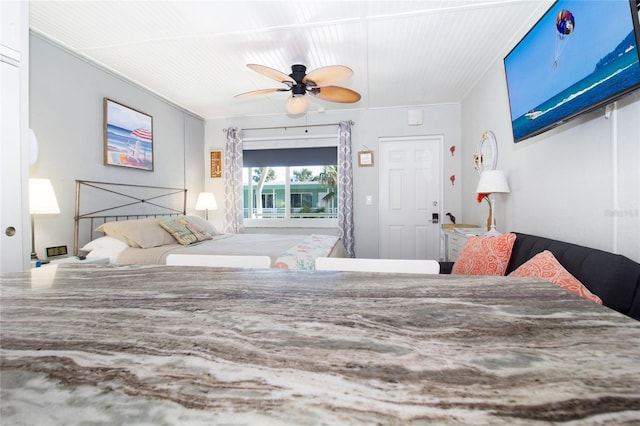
(410, 197)
(14, 77)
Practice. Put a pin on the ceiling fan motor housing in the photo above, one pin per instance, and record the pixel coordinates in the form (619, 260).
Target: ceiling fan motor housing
(298, 72)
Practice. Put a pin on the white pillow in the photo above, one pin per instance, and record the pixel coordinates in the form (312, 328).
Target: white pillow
(140, 233)
(100, 253)
(105, 243)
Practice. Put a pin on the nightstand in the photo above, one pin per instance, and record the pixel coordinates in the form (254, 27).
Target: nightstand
(74, 259)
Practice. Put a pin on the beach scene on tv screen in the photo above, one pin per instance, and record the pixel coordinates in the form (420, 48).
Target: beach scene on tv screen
(579, 54)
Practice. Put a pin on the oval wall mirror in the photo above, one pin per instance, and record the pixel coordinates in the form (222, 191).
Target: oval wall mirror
(486, 157)
(33, 148)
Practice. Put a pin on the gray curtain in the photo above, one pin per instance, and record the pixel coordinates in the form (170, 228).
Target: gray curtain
(345, 185)
(232, 174)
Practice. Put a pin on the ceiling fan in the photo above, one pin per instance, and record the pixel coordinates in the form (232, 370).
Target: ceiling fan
(319, 83)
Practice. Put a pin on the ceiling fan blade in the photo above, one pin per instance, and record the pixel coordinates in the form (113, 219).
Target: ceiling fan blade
(271, 73)
(336, 94)
(259, 92)
(327, 76)
(297, 104)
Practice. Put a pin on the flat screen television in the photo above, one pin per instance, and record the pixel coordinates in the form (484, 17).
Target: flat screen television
(579, 56)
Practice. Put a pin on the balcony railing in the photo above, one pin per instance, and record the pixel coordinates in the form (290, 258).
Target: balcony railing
(280, 213)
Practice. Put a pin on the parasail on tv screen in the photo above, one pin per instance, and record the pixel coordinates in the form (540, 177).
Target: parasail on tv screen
(579, 56)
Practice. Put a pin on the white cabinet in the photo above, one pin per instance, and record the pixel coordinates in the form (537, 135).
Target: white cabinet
(454, 245)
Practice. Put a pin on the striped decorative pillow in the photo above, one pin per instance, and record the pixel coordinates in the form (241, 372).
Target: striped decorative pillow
(184, 230)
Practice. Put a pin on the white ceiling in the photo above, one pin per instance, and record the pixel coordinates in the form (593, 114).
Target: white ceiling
(194, 53)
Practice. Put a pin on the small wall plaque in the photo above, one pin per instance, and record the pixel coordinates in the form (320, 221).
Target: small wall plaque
(216, 164)
(365, 158)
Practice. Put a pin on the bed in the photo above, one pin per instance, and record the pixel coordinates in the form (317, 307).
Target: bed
(152, 344)
(141, 224)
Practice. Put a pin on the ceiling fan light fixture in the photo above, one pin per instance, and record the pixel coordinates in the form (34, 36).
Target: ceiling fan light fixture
(297, 104)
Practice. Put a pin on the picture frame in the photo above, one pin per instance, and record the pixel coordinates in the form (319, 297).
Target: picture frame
(365, 158)
(216, 164)
(128, 136)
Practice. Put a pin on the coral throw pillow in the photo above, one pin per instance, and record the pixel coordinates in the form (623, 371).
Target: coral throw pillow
(485, 255)
(544, 265)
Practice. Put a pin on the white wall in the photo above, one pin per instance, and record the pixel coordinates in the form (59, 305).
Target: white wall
(370, 125)
(66, 114)
(579, 182)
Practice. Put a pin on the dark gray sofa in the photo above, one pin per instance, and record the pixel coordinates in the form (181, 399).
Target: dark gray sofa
(614, 278)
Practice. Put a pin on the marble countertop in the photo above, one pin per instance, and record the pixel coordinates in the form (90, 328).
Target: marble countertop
(108, 344)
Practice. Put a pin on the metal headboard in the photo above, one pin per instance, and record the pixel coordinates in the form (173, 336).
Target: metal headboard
(111, 201)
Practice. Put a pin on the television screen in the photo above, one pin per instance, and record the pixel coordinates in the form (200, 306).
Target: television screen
(579, 56)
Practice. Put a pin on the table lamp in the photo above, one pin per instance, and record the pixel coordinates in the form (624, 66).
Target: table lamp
(493, 182)
(42, 200)
(206, 201)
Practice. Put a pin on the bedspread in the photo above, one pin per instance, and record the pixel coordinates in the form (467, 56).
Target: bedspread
(272, 245)
(303, 255)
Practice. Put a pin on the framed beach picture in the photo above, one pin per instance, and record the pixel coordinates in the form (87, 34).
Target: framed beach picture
(128, 137)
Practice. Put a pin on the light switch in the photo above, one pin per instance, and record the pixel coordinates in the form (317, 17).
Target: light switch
(368, 200)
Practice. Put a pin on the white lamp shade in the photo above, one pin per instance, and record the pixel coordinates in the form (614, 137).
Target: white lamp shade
(491, 182)
(297, 104)
(42, 199)
(206, 201)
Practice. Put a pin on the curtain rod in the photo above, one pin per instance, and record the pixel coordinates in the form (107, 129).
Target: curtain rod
(293, 127)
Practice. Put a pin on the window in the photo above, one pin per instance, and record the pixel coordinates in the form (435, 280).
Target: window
(313, 197)
(300, 201)
(268, 200)
(288, 185)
